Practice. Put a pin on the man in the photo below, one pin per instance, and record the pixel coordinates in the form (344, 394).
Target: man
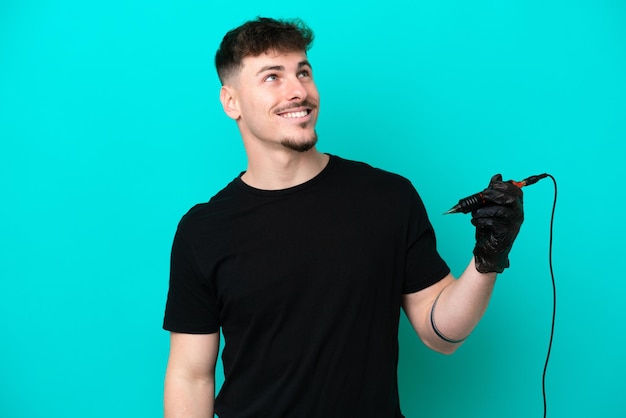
(304, 260)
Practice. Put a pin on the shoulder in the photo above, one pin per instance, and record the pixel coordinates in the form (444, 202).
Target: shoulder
(220, 206)
(371, 177)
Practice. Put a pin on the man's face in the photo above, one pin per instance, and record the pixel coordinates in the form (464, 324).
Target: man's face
(275, 101)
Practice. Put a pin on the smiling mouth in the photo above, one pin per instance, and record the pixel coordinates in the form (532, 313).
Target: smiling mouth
(294, 115)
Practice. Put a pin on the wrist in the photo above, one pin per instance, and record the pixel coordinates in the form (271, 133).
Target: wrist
(482, 272)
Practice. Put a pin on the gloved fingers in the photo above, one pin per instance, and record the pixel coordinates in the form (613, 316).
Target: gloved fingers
(496, 213)
(502, 192)
(496, 178)
(497, 224)
(496, 231)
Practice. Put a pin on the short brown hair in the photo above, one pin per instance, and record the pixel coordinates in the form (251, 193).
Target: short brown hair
(257, 36)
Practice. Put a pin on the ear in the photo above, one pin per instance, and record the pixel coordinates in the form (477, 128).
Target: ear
(228, 97)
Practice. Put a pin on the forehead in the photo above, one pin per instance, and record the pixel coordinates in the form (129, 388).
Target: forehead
(274, 60)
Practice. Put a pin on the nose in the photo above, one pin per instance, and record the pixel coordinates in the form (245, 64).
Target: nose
(295, 89)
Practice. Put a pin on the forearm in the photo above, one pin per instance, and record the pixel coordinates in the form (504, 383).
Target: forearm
(188, 398)
(458, 308)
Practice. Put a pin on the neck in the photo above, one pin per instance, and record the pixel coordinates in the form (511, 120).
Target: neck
(284, 169)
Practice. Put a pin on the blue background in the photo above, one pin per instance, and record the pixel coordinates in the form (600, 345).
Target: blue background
(111, 128)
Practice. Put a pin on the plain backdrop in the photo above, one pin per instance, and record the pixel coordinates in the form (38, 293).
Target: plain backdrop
(111, 129)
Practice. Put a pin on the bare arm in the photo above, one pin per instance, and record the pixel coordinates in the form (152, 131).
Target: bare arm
(460, 304)
(190, 376)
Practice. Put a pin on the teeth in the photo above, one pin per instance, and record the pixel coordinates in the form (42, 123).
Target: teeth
(295, 114)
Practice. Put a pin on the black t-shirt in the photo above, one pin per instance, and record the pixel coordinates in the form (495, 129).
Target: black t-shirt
(305, 284)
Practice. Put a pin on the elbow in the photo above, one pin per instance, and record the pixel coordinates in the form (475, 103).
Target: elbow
(449, 349)
(443, 347)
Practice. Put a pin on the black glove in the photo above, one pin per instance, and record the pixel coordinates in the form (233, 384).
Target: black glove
(497, 224)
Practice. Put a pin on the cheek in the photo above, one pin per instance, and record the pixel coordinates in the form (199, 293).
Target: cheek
(314, 98)
(313, 92)
(259, 104)
(250, 109)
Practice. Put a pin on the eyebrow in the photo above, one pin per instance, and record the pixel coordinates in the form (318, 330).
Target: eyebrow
(301, 64)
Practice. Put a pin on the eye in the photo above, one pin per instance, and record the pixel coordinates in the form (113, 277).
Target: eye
(304, 73)
(271, 77)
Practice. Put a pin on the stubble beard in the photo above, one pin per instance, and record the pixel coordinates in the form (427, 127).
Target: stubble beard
(300, 145)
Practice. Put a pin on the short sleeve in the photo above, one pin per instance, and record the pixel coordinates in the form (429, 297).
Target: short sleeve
(424, 265)
(191, 303)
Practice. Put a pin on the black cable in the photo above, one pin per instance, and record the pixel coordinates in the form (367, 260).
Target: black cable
(545, 368)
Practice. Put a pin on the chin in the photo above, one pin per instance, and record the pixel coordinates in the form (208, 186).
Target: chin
(301, 145)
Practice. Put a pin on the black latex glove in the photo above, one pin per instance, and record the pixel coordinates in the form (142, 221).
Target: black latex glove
(497, 224)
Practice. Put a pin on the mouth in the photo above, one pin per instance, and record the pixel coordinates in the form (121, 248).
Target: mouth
(295, 114)
(297, 111)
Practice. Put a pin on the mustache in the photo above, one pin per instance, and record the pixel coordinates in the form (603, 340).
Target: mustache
(305, 103)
